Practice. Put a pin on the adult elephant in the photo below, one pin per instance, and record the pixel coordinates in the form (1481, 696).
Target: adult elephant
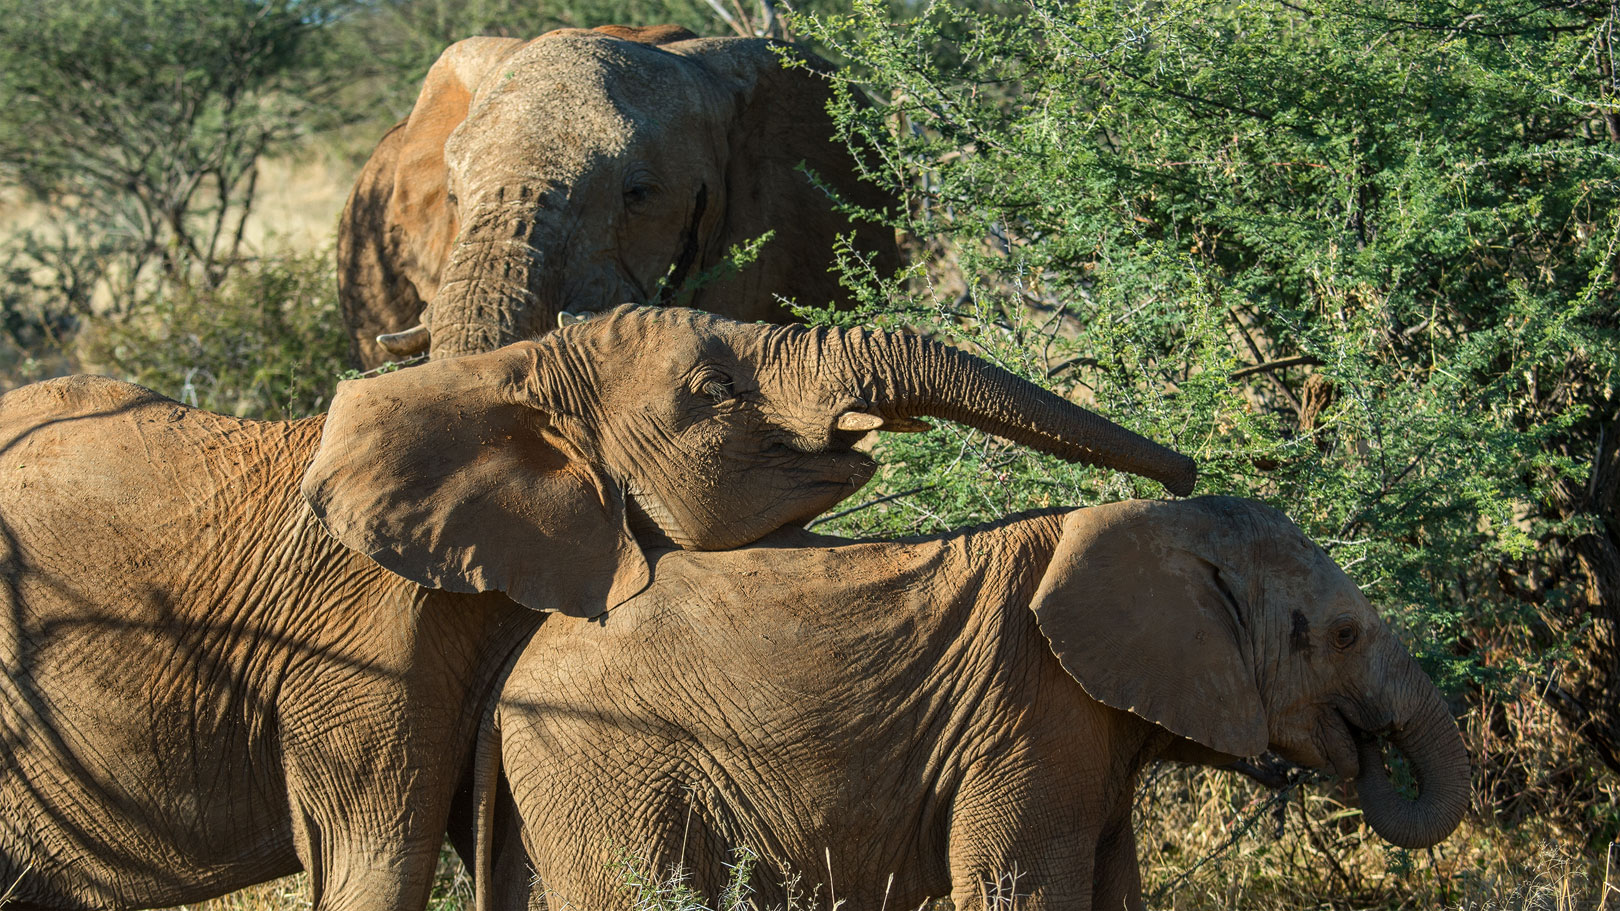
(959, 716)
(233, 648)
(583, 169)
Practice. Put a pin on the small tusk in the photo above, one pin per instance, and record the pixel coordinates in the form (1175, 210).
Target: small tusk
(414, 340)
(859, 421)
(569, 317)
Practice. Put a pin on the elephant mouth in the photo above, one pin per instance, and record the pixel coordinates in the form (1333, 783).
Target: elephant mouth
(1340, 739)
(837, 474)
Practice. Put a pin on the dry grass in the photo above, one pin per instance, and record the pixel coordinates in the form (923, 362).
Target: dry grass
(452, 891)
(296, 209)
(1213, 842)
(1536, 837)
(299, 202)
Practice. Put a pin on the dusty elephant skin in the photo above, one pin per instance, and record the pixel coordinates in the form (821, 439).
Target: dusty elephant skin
(584, 169)
(947, 710)
(205, 688)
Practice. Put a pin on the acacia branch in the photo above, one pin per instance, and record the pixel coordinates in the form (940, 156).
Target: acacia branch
(1301, 360)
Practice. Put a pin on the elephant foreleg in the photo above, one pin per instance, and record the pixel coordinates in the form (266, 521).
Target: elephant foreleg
(356, 867)
(1007, 853)
(1118, 877)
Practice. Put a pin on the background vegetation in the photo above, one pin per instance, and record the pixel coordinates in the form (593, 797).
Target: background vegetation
(1359, 257)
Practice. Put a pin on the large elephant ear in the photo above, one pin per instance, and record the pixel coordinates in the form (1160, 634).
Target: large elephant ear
(418, 218)
(781, 122)
(451, 475)
(1141, 606)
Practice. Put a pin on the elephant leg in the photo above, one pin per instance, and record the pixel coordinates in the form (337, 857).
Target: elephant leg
(355, 865)
(371, 796)
(1118, 876)
(1009, 849)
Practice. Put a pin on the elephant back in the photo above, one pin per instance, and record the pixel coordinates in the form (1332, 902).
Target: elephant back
(799, 610)
(137, 472)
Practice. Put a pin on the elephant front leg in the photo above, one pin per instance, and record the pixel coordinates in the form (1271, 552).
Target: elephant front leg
(1042, 877)
(370, 799)
(1118, 875)
(360, 860)
(1008, 853)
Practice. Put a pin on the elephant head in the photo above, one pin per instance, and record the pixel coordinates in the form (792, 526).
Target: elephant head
(583, 169)
(650, 426)
(1220, 621)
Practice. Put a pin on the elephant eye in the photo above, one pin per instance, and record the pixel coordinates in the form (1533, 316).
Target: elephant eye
(717, 391)
(715, 386)
(1344, 634)
(637, 194)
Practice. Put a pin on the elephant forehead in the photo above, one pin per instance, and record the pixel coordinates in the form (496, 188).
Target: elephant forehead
(644, 347)
(563, 71)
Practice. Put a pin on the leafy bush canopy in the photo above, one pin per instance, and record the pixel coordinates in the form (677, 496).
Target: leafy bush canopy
(267, 344)
(1358, 258)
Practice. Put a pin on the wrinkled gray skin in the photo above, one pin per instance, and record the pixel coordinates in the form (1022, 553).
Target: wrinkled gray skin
(946, 711)
(233, 648)
(584, 169)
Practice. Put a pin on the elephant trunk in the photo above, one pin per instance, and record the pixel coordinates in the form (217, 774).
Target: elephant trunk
(1430, 740)
(912, 376)
(488, 295)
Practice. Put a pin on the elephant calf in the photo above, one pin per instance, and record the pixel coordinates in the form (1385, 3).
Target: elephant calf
(949, 710)
(235, 648)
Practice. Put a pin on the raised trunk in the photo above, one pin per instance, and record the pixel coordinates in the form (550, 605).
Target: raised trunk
(488, 296)
(1430, 740)
(910, 376)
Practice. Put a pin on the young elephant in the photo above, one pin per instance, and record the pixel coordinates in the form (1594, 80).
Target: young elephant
(948, 711)
(203, 688)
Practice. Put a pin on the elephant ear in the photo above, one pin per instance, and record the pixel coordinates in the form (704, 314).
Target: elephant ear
(451, 475)
(1140, 605)
(781, 122)
(418, 220)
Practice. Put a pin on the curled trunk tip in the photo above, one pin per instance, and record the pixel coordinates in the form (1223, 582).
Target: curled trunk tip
(1439, 761)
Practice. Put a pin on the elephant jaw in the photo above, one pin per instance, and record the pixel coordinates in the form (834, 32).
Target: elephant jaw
(832, 475)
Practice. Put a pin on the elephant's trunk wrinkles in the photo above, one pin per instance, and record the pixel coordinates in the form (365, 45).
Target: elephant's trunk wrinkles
(916, 376)
(1430, 740)
(488, 298)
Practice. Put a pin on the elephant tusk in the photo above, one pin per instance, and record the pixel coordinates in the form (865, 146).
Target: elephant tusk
(861, 422)
(414, 340)
(858, 421)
